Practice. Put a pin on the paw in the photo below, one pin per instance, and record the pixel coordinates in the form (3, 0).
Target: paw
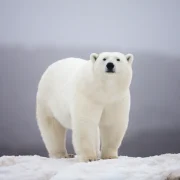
(88, 158)
(69, 156)
(109, 153)
(174, 175)
(61, 155)
(109, 157)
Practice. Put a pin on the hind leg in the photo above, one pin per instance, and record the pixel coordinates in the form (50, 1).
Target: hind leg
(53, 135)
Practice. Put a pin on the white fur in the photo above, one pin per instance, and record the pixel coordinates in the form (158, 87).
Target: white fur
(80, 95)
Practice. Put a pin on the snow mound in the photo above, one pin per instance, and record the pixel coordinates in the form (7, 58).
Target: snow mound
(130, 168)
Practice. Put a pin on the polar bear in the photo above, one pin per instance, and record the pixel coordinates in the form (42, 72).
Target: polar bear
(92, 98)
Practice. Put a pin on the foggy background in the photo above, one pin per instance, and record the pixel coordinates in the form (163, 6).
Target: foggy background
(34, 34)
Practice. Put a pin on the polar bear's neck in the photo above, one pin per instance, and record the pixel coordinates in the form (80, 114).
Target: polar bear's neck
(102, 88)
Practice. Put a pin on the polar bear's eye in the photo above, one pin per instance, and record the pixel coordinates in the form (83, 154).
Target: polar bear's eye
(104, 59)
(118, 59)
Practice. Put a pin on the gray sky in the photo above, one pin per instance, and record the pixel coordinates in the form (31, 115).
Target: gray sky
(141, 25)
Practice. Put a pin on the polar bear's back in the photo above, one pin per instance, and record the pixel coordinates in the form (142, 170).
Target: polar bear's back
(58, 73)
(63, 69)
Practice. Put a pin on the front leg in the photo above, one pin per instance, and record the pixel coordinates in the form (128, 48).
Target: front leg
(113, 126)
(85, 119)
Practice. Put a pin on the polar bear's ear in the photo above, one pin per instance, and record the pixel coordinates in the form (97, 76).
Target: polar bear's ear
(130, 58)
(93, 57)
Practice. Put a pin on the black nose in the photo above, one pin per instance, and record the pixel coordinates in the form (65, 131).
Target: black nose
(110, 66)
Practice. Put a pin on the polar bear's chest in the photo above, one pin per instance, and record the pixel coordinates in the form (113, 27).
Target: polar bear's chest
(107, 97)
(107, 93)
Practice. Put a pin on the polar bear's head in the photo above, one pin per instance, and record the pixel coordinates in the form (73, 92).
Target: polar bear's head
(113, 64)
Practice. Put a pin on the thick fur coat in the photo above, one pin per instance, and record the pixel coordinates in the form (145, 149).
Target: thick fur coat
(90, 97)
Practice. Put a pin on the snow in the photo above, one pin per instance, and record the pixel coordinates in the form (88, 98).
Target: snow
(130, 168)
